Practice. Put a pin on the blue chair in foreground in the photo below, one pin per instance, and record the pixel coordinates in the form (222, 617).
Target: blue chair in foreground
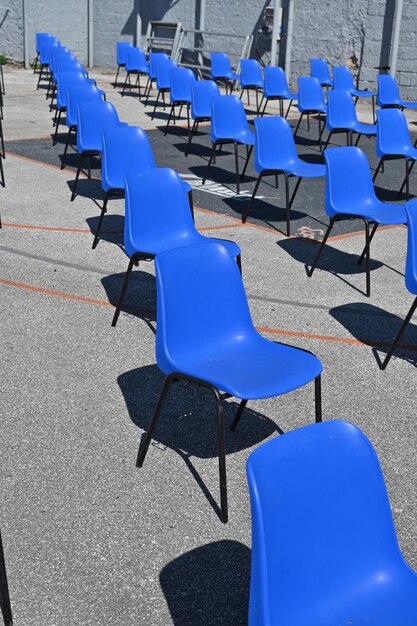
(324, 547)
(181, 82)
(341, 118)
(343, 79)
(310, 102)
(344, 200)
(388, 96)
(251, 79)
(276, 88)
(393, 142)
(158, 218)
(275, 154)
(221, 70)
(229, 125)
(4, 590)
(202, 91)
(320, 70)
(410, 273)
(163, 81)
(122, 48)
(205, 335)
(125, 149)
(93, 119)
(136, 65)
(80, 91)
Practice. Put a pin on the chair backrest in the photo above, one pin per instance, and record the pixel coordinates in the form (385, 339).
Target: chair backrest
(220, 65)
(322, 526)
(63, 80)
(228, 118)
(202, 91)
(201, 304)
(39, 38)
(388, 92)
(69, 64)
(392, 134)
(154, 59)
(341, 112)
(344, 165)
(163, 73)
(93, 119)
(181, 81)
(411, 259)
(156, 209)
(121, 51)
(78, 92)
(125, 149)
(250, 73)
(310, 94)
(136, 59)
(56, 54)
(275, 82)
(274, 144)
(45, 49)
(320, 70)
(342, 78)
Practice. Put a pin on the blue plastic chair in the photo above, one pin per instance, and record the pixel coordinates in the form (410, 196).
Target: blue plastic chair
(64, 79)
(78, 92)
(320, 70)
(221, 70)
(343, 79)
(389, 95)
(181, 82)
(251, 79)
(6, 608)
(341, 118)
(45, 54)
(93, 119)
(393, 142)
(155, 58)
(310, 102)
(38, 38)
(158, 218)
(276, 88)
(324, 547)
(205, 335)
(229, 125)
(136, 64)
(58, 56)
(125, 149)
(163, 80)
(275, 153)
(66, 64)
(344, 200)
(202, 91)
(410, 273)
(122, 48)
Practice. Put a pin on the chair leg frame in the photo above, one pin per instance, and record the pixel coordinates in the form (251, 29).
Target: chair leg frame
(399, 334)
(100, 221)
(4, 590)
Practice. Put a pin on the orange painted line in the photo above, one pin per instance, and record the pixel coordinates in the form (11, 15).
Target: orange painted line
(27, 138)
(360, 233)
(225, 226)
(56, 294)
(346, 340)
(53, 167)
(61, 230)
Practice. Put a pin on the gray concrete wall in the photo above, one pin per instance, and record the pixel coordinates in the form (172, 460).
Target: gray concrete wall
(11, 29)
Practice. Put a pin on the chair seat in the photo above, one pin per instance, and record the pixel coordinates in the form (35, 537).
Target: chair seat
(364, 129)
(245, 136)
(380, 212)
(408, 105)
(252, 367)
(362, 93)
(307, 170)
(260, 84)
(320, 109)
(407, 151)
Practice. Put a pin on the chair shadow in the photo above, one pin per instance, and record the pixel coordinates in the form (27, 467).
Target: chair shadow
(377, 328)
(391, 195)
(88, 188)
(186, 424)
(269, 213)
(111, 229)
(196, 149)
(140, 299)
(209, 585)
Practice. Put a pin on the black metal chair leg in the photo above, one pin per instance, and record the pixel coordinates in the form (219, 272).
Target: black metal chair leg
(74, 191)
(327, 141)
(373, 110)
(209, 164)
(265, 105)
(169, 118)
(100, 221)
(323, 243)
(298, 124)
(191, 203)
(190, 138)
(2, 180)
(238, 415)
(367, 259)
(405, 179)
(222, 455)
(6, 609)
(246, 213)
(3, 149)
(132, 262)
(317, 398)
(380, 164)
(288, 110)
(117, 76)
(399, 335)
(294, 193)
(125, 84)
(358, 139)
(154, 421)
(246, 162)
(237, 167)
(370, 239)
(287, 202)
(156, 104)
(64, 156)
(58, 121)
